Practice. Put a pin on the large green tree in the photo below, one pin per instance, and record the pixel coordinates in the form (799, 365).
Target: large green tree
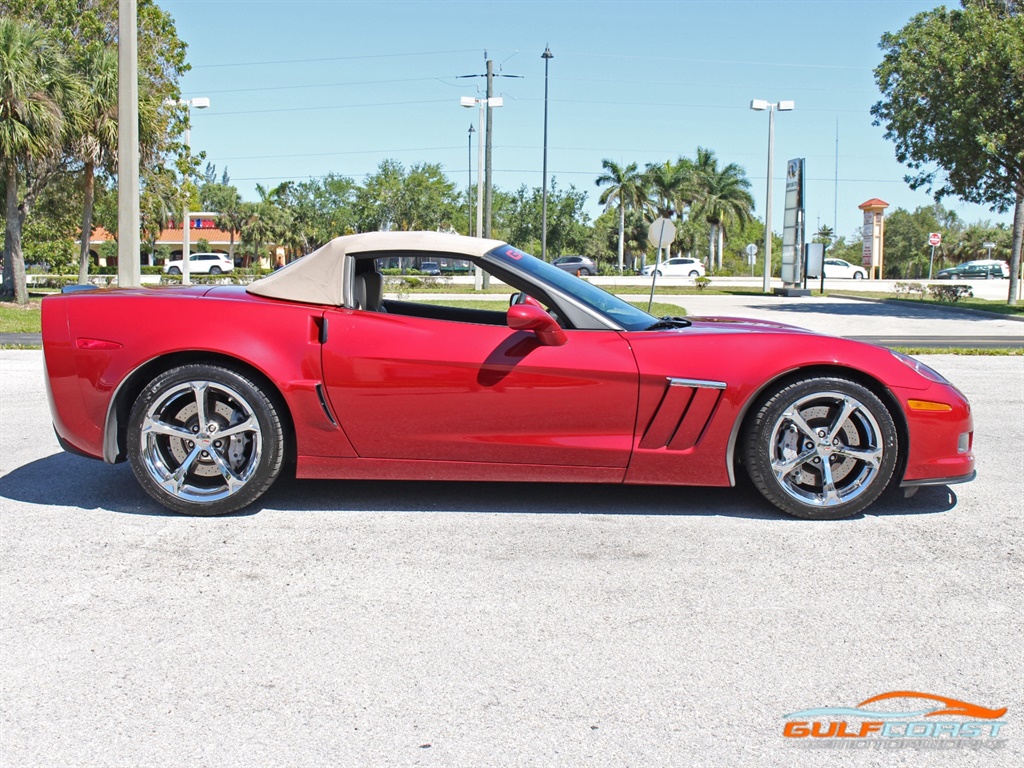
(38, 101)
(85, 33)
(952, 101)
(421, 198)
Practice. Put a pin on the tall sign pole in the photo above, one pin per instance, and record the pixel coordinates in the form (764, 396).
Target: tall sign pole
(129, 268)
(934, 240)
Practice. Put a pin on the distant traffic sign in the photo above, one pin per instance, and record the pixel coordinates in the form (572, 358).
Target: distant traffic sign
(661, 233)
(935, 238)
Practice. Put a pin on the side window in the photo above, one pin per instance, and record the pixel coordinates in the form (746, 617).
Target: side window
(447, 297)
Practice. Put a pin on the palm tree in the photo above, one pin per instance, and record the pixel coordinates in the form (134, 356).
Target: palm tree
(232, 217)
(724, 199)
(625, 187)
(97, 146)
(36, 107)
(161, 197)
(672, 189)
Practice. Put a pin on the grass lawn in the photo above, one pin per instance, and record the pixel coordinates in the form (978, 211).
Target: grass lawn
(18, 319)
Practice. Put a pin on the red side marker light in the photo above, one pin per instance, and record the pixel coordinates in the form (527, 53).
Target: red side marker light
(97, 344)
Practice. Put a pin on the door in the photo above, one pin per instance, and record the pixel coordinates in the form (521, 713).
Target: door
(407, 387)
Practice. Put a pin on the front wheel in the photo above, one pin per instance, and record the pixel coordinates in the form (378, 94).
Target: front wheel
(173, 271)
(821, 448)
(205, 440)
(214, 270)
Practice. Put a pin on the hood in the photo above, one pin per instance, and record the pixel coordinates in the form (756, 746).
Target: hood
(744, 325)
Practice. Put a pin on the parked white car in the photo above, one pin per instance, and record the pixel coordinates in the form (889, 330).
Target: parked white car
(676, 267)
(843, 268)
(202, 264)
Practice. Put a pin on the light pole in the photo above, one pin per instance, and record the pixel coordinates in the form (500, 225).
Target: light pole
(200, 102)
(469, 185)
(760, 105)
(128, 258)
(469, 102)
(547, 56)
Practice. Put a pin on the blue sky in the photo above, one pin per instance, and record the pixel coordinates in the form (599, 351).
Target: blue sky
(302, 88)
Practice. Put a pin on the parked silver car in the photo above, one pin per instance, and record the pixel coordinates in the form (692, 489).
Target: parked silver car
(580, 266)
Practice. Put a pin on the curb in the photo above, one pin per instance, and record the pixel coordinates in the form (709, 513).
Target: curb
(914, 303)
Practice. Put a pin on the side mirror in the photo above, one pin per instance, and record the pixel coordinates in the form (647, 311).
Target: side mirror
(526, 317)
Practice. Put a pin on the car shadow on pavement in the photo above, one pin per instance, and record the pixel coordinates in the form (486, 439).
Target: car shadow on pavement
(66, 480)
(72, 481)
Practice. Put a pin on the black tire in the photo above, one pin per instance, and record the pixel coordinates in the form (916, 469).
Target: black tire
(858, 275)
(794, 434)
(173, 271)
(584, 272)
(657, 272)
(695, 273)
(167, 436)
(214, 270)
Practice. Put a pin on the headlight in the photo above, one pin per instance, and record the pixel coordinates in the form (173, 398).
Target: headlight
(921, 368)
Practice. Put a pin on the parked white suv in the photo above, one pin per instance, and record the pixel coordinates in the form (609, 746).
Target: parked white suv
(677, 267)
(202, 264)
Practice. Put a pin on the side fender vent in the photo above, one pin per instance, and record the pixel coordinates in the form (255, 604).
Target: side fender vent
(683, 414)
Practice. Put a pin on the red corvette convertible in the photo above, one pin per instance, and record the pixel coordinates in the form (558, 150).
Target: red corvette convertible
(209, 391)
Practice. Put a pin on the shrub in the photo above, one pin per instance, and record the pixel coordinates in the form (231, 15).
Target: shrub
(950, 293)
(702, 282)
(909, 289)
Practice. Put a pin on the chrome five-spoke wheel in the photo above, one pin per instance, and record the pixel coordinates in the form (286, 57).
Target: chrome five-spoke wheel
(204, 440)
(822, 448)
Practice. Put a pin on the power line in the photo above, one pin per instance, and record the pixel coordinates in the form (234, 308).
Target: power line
(330, 58)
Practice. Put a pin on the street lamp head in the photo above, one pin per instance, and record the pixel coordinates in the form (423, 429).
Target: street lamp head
(471, 128)
(758, 104)
(467, 101)
(547, 53)
(200, 102)
(786, 106)
(495, 101)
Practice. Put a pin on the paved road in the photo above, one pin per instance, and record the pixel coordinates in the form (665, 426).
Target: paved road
(480, 624)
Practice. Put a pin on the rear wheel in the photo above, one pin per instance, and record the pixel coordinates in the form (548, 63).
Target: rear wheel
(858, 275)
(205, 440)
(822, 448)
(695, 273)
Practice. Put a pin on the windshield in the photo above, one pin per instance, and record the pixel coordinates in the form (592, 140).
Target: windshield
(622, 314)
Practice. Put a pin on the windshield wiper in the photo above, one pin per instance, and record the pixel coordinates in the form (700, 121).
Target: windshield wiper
(669, 322)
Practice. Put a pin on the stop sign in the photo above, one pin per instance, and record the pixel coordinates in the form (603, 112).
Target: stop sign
(935, 238)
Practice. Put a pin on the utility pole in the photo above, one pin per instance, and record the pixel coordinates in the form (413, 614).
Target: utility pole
(489, 138)
(487, 163)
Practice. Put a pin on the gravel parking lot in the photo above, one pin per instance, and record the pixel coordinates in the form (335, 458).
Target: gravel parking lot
(483, 624)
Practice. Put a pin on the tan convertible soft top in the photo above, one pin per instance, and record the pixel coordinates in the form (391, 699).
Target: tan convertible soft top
(325, 275)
